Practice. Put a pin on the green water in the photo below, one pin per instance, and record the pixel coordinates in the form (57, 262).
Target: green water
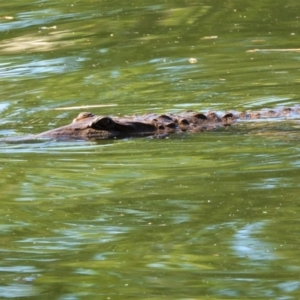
(212, 215)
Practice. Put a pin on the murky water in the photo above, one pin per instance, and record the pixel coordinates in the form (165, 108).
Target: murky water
(210, 215)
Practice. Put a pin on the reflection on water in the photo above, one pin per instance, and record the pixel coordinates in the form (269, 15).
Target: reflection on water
(40, 67)
(34, 43)
(3, 105)
(18, 290)
(254, 249)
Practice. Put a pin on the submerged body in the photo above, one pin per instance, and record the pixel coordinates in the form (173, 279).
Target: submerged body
(92, 127)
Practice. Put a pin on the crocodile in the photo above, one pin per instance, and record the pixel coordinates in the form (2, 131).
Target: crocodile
(87, 126)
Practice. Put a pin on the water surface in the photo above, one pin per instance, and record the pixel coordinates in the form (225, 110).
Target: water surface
(194, 216)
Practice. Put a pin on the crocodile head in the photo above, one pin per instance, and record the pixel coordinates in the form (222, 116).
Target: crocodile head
(91, 127)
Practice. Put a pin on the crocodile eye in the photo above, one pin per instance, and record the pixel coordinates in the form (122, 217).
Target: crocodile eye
(103, 123)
